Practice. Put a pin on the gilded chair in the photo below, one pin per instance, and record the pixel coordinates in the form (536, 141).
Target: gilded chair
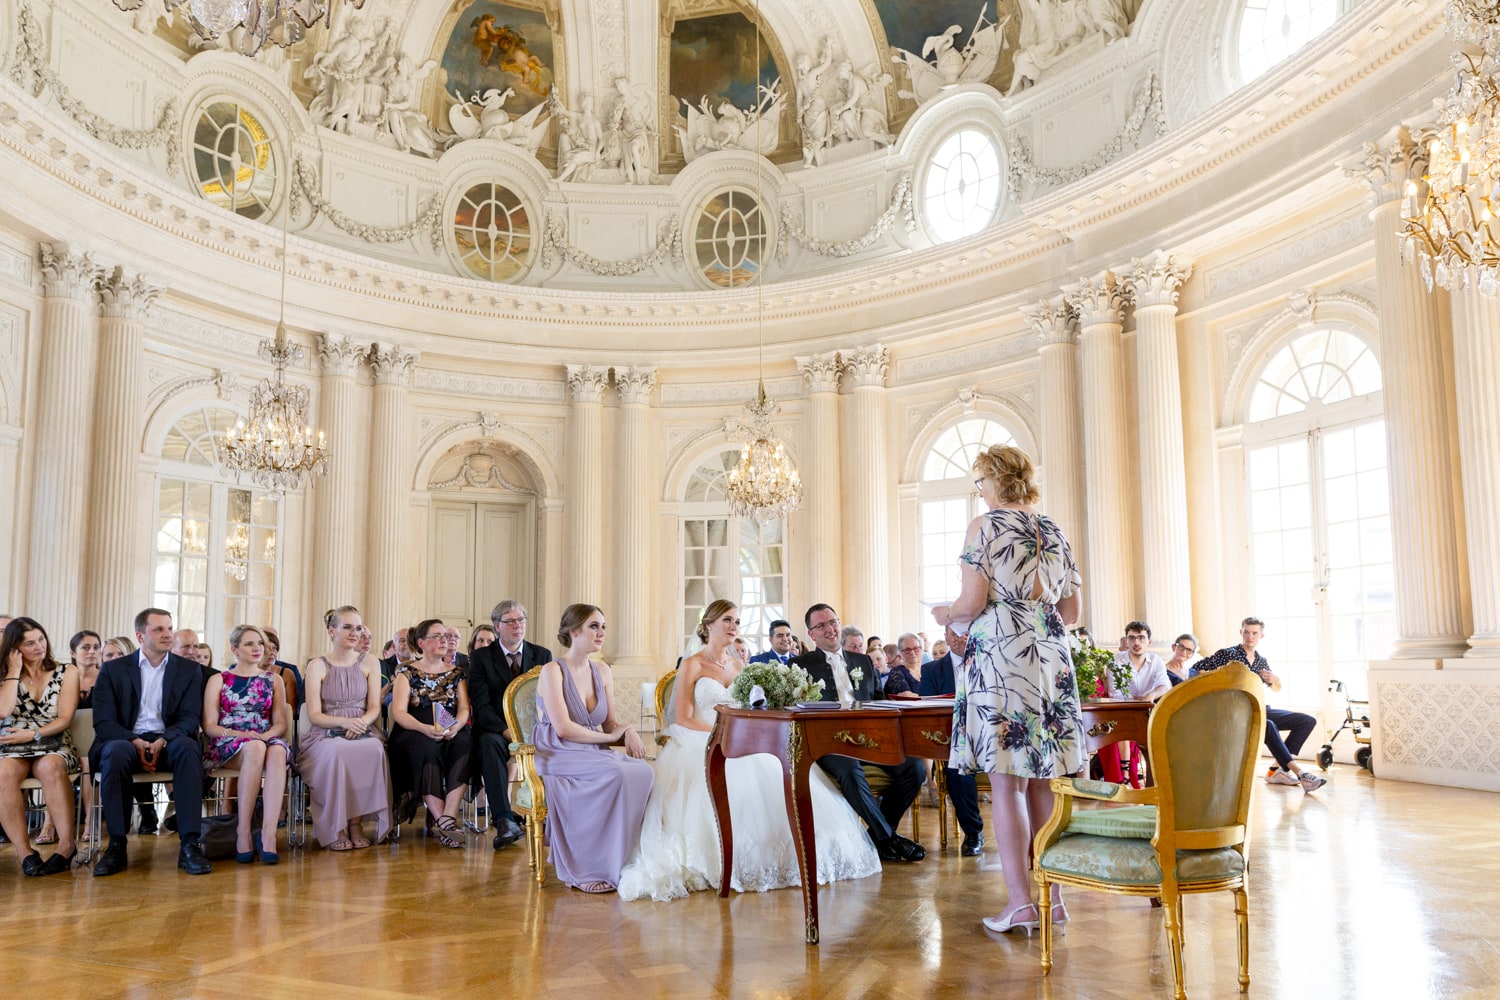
(1185, 834)
(530, 798)
(664, 689)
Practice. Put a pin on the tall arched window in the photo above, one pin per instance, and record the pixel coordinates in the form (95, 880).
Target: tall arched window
(1320, 530)
(1266, 32)
(215, 555)
(729, 557)
(947, 501)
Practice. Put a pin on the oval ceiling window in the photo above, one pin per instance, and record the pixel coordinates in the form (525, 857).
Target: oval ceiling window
(729, 243)
(962, 189)
(492, 232)
(234, 160)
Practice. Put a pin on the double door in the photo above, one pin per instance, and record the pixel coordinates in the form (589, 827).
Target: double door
(479, 553)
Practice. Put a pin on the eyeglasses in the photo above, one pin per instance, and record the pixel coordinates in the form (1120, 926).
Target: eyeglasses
(1190, 650)
(909, 649)
(513, 622)
(979, 485)
(832, 623)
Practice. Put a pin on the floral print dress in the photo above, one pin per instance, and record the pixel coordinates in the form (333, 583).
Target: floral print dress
(1016, 708)
(245, 704)
(34, 713)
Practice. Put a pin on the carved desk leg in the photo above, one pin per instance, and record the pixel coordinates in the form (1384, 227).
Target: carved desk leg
(719, 792)
(795, 765)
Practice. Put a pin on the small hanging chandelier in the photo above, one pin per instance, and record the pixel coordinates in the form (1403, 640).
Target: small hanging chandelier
(281, 22)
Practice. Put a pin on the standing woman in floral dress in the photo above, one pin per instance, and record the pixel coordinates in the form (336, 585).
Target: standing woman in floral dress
(1016, 713)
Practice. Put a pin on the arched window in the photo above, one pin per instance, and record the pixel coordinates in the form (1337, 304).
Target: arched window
(215, 560)
(234, 160)
(1319, 519)
(1268, 31)
(947, 501)
(729, 557)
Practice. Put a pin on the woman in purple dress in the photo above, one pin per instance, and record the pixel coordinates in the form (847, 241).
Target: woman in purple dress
(596, 798)
(244, 718)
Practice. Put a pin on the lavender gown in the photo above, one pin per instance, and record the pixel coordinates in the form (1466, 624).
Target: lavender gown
(596, 797)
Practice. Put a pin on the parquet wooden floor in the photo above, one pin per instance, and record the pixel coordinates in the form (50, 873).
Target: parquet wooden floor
(1371, 889)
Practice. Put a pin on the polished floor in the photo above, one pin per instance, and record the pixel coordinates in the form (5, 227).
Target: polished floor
(1372, 889)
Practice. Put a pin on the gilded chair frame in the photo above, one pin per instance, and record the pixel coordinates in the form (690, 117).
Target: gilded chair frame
(664, 688)
(1236, 750)
(525, 754)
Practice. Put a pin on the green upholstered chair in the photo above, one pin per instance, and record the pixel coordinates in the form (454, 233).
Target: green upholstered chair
(530, 798)
(1185, 834)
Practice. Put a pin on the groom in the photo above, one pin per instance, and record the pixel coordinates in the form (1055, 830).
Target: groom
(830, 665)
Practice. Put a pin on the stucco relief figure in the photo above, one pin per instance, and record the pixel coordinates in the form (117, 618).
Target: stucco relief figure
(813, 115)
(1051, 29)
(409, 128)
(943, 64)
(484, 116)
(732, 127)
(580, 138)
(858, 114)
(628, 135)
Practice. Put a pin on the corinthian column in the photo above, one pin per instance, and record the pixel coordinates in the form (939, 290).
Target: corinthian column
(1429, 609)
(1154, 282)
(1108, 575)
(335, 537)
(867, 594)
(1062, 452)
(114, 581)
(390, 466)
(60, 481)
(1476, 361)
(822, 492)
(636, 591)
(584, 541)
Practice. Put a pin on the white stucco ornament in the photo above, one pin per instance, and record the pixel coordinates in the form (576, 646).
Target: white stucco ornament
(730, 127)
(948, 64)
(484, 117)
(1055, 30)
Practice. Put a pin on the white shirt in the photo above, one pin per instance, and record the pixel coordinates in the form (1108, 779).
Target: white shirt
(153, 681)
(841, 678)
(1151, 675)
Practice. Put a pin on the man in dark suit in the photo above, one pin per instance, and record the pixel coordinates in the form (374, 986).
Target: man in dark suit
(147, 710)
(834, 668)
(452, 641)
(783, 644)
(491, 670)
(963, 789)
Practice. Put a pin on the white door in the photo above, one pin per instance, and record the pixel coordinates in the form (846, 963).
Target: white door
(482, 554)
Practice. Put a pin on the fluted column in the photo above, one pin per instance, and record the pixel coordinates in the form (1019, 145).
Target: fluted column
(1062, 452)
(866, 502)
(1476, 362)
(1108, 575)
(390, 464)
(1424, 537)
(636, 592)
(335, 495)
(63, 439)
(584, 542)
(114, 582)
(1154, 284)
(822, 487)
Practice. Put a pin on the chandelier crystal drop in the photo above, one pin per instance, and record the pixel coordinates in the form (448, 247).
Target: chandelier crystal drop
(764, 485)
(1450, 215)
(281, 22)
(277, 447)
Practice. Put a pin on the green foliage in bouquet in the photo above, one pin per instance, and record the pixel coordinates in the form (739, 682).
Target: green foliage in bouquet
(783, 685)
(1090, 664)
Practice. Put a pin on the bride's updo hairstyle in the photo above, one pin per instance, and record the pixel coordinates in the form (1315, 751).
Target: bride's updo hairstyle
(713, 612)
(574, 617)
(1010, 469)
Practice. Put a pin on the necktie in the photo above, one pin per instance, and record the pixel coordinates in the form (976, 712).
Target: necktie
(515, 662)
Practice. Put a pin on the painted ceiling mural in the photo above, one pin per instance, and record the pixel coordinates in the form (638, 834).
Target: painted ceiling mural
(497, 46)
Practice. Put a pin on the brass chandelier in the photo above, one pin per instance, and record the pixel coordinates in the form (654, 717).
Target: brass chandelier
(281, 22)
(1450, 214)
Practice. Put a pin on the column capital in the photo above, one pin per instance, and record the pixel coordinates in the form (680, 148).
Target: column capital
(1387, 165)
(1155, 279)
(635, 384)
(340, 355)
(1054, 321)
(821, 371)
(1097, 300)
(867, 365)
(126, 297)
(67, 274)
(587, 383)
(392, 364)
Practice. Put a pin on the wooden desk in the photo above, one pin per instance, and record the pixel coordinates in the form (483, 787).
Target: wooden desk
(798, 737)
(1117, 720)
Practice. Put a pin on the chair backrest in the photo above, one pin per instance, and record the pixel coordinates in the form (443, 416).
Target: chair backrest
(82, 731)
(520, 705)
(666, 688)
(1205, 738)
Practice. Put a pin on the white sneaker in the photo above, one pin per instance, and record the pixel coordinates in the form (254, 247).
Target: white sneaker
(1282, 778)
(1311, 782)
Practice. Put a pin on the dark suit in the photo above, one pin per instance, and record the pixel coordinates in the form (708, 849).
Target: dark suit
(489, 675)
(117, 707)
(881, 815)
(963, 789)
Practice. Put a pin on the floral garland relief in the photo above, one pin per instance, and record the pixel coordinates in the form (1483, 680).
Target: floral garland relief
(668, 250)
(305, 185)
(1023, 168)
(901, 207)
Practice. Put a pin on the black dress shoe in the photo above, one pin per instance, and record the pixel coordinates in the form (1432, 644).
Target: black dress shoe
(31, 865)
(57, 864)
(909, 850)
(114, 859)
(888, 852)
(509, 833)
(973, 845)
(191, 859)
(171, 824)
(148, 821)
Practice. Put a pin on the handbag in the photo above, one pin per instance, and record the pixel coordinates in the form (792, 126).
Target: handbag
(217, 834)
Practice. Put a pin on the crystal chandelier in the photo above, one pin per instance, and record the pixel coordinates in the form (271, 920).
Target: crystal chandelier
(1450, 214)
(277, 448)
(281, 22)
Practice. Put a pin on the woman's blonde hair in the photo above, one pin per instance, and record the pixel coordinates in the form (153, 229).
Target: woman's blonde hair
(715, 610)
(332, 615)
(238, 633)
(1011, 471)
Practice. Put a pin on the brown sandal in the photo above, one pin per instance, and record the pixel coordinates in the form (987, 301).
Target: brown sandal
(448, 832)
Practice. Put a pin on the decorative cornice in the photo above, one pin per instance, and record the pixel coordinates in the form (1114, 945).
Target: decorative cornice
(1155, 279)
(821, 371)
(1386, 166)
(66, 274)
(474, 386)
(340, 355)
(635, 384)
(1054, 321)
(587, 383)
(128, 298)
(867, 366)
(1097, 300)
(392, 364)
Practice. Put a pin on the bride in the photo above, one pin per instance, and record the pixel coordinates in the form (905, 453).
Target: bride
(679, 847)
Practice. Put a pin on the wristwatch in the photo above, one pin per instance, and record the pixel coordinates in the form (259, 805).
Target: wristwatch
(36, 736)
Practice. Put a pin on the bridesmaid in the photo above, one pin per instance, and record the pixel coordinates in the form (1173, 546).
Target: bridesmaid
(343, 756)
(430, 744)
(596, 798)
(244, 718)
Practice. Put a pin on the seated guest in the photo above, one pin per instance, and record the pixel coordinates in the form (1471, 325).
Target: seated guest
(430, 741)
(938, 681)
(1299, 725)
(87, 648)
(452, 639)
(596, 799)
(882, 666)
(146, 714)
(343, 755)
(873, 643)
(852, 640)
(290, 677)
(940, 649)
(740, 650)
(482, 636)
(244, 718)
(38, 697)
(204, 654)
(366, 639)
(833, 666)
(1148, 675)
(783, 644)
(389, 649)
(491, 670)
(120, 645)
(906, 675)
(1184, 655)
(402, 654)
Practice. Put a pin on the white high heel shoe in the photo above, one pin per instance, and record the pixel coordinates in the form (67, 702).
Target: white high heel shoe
(1008, 922)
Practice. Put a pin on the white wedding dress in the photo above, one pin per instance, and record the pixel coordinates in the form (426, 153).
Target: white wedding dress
(679, 847)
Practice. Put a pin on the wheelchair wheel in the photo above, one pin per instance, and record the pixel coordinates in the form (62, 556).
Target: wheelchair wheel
(1363, 759)
(1325, 757)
